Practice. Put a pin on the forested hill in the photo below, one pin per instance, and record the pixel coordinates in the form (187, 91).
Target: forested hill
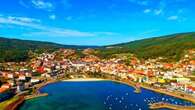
(170, 46)
(17, 50)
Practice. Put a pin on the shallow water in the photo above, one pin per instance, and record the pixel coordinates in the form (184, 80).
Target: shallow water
(97, 95)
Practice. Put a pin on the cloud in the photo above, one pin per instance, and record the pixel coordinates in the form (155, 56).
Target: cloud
(158, 11)
(40, 4)
(59, 32)
(21, 21)
(147, 10)
(173, 17)
(52, 17)
(40, 29)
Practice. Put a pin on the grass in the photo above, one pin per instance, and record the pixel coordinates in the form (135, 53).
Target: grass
(4, 104)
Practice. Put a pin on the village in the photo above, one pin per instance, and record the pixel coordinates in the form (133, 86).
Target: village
(63, 64)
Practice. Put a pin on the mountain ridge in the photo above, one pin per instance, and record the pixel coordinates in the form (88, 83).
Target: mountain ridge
(171, 46)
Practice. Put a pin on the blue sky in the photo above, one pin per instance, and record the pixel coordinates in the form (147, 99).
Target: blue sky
(94, 22)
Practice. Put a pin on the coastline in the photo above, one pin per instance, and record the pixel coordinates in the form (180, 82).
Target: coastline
(179, 95)
(161, 105)
(126, 82)
(84, 79)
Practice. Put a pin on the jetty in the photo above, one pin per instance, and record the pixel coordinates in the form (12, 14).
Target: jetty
(163, 105)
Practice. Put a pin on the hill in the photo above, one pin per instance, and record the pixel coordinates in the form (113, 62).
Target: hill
(17, 50)
(170, 46)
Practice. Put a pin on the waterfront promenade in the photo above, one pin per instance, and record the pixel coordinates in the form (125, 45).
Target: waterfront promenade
(162, 105)
(176, 94)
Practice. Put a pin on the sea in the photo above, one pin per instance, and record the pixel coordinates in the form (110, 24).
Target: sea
(96, 95)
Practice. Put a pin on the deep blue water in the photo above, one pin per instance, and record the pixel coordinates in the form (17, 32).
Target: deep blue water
(100, 95)
(6, 95)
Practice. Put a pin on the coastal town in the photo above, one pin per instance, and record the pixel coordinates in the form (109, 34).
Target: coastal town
(172, 78)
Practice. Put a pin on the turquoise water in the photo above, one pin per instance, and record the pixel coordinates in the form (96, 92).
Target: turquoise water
(97, 95)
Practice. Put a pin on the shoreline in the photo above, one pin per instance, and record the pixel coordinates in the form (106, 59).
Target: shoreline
(162, 105)
(84, 79)
(179, 95)
(126, 82)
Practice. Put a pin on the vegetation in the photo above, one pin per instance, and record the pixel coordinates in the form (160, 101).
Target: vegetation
(172, 47)
(193, 73)
(20, 50)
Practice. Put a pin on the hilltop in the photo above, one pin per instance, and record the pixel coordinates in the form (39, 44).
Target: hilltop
(170, 46)
(17, 50)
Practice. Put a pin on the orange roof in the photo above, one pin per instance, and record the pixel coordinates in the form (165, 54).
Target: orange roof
(7, 84)
(191, 88)
(150, 73)
(3, 89)
(139, 72)
(192, 62)
(167, 65)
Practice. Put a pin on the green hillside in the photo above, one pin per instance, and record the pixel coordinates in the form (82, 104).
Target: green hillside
(17, 50)
(170, 46)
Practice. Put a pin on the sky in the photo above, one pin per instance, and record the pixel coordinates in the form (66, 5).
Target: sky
(94, 22)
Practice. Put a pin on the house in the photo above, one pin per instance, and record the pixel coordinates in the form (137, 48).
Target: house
(191, 89)
(183, 80)
(34, 81)
(40, 69)
(20, 87)
(10, 75)
(168, 66)
(5, 87)
(22, 77)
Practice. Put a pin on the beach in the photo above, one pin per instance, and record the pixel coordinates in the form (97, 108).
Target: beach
(85, 79)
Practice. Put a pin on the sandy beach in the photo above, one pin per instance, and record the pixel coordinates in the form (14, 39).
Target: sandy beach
(85, 79)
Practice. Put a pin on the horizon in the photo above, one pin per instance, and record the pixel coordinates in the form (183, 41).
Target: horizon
(94, 23)
(96, 45)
